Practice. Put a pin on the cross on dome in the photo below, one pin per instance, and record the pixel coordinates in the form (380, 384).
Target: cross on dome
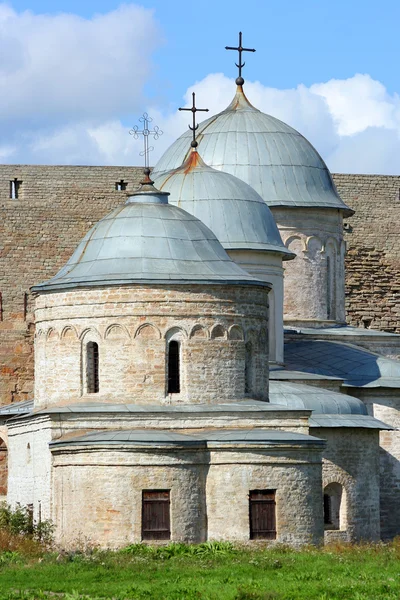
(240, 49)
(195, 126)
(146, 132)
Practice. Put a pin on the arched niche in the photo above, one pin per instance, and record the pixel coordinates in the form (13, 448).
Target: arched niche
(218, 331)
(335, 514)
(116, 332)
(199, 332)
(147, 331)
(236, 333)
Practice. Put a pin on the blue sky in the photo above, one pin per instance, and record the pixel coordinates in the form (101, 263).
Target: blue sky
(329, 69)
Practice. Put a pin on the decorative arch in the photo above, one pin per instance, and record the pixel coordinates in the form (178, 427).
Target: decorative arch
(175, 333)
(148, 331)
(218, 331)
(236, 333)
(90, 333)
(3, 467)
(69, 332)
(198, 331)
(52, 335)
(39, 333)
(116, 332)
(294, 242)
(314, 245)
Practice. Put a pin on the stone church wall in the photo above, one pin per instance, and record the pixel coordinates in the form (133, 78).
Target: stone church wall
(56, 205)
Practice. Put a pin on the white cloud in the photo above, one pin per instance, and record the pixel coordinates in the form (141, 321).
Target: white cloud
(67, 84)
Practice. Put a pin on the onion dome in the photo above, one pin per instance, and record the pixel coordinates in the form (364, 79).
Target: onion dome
(233, 210)
(273, 158)
(147, 240)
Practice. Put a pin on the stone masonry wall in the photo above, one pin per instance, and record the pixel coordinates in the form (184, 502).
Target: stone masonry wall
(56, 205)
(39, 230)
(133, 326)
(373, 244)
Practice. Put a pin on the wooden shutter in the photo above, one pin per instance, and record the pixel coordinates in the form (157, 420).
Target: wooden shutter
(262, 515)
(156, 515)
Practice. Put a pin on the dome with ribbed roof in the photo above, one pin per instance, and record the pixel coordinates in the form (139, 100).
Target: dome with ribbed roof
(273, 158)
(234, 211)
(148, 240)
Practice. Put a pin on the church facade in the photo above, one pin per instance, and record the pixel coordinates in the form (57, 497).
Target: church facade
(195, 378)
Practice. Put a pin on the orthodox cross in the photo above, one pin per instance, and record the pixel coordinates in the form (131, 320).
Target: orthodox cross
(146, 132)
(194, 110)
(240, 49)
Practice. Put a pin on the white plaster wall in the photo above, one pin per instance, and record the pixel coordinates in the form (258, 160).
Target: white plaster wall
(267, 266)
(314, 235)
(29, 466)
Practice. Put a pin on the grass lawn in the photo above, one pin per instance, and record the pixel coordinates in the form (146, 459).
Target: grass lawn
(206, 572)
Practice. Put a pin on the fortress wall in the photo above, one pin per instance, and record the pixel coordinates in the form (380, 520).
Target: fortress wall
(373, 250)
(39, 230)
(58, 204)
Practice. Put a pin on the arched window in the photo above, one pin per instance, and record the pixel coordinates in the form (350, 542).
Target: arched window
(334, 507)
(173, 373)
(92, 367)
(3, 469)
(248, 369)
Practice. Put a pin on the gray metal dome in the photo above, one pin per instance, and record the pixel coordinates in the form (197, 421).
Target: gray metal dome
(317, 399)
(148, 241)
(234, 211)
(273, 158)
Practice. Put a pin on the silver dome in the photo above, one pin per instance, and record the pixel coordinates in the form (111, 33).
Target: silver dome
(273, 158)
(233, 210)
(149, 241)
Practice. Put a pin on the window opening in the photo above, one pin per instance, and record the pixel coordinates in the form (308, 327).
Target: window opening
(92, 367)
(327, 510)
(156, 515)
(15, 185)
(173, 368)
(262, 508)
(120, 186)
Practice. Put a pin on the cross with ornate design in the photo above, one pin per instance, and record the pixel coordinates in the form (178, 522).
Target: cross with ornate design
(194, 110)
(240, 49)
(145, 132)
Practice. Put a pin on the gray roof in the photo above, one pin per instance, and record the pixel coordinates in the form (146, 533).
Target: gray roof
(358, 421)
(148, 240)
(105, 407)
(340, 330)
(16, 408)
(275, 159)
(319, 400)
(356, 366)
(145, 437)
(233, 210)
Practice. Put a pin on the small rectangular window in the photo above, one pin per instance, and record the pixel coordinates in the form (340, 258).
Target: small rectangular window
(174, 384)
(120, 186)
(156, 515)
(15, 186)
(92, 367)
(262, 507)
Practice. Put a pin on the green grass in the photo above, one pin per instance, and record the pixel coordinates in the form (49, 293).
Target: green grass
(212, 571)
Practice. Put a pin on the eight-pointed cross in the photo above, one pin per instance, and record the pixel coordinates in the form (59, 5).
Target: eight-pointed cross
(240, 49)
(194, 110)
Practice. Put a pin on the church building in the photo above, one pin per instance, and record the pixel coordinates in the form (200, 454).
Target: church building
(195, 378)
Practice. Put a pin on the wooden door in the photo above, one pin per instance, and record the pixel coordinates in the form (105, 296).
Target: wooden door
(156, 515)
(262, 515)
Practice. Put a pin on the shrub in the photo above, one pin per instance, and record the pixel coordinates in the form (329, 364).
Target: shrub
(19, 522)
